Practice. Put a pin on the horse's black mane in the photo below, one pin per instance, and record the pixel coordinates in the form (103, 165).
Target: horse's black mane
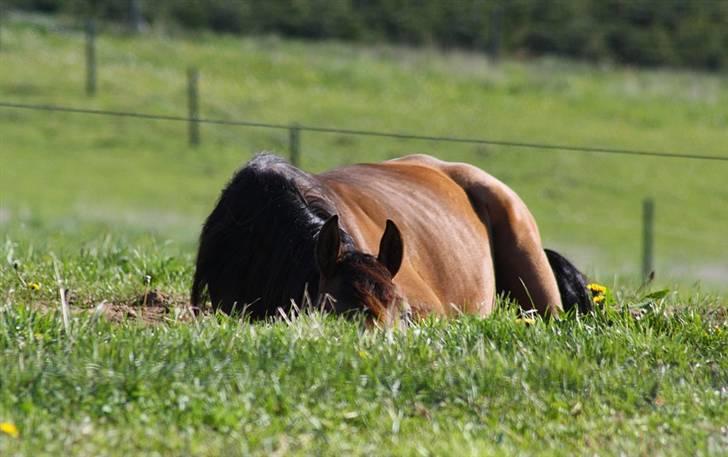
(257, 247)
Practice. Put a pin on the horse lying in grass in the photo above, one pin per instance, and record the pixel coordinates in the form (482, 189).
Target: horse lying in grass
(403, 238)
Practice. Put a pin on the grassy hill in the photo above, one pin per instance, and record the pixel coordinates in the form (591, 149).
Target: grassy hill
(67, 177)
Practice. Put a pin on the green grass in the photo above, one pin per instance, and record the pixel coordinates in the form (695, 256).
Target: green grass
(64, 172)
(318, 385)
(112, 208)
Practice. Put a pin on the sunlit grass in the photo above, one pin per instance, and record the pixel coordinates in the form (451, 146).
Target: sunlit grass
(646, 374)
(111, 208)
(602, 384)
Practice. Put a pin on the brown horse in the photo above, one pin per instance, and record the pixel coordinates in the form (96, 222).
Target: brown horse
(406, 237)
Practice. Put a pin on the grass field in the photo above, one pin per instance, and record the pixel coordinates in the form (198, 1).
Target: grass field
(607, 384)
(111, 207)
(64, 172)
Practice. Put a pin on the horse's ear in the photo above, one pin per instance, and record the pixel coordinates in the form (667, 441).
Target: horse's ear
(328, 246)
(391, 248)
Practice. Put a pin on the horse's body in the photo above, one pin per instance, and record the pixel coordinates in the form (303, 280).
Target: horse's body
(459, 237)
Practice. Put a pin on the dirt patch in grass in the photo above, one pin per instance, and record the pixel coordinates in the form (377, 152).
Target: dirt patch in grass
(151, 307)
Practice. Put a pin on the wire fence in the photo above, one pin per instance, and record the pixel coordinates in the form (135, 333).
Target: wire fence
(194, 120)
(295, 150)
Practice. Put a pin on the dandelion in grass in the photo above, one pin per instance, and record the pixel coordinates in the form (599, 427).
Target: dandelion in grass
(598, 291)
(8, 428)
(34, 286)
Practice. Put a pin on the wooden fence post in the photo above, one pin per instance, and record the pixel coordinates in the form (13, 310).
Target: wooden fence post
(648, 218)
(2, 17)
(90, 58)
(294, 144)
(135, 16)
(193, 106)
(496, 31)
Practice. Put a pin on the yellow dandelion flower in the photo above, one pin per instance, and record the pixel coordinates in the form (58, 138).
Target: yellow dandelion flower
(525, 321)
(9, 429)
(597, 289)
(34, 286)
(598, 292)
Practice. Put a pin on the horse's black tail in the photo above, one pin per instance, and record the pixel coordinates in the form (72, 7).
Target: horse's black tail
(572, 283)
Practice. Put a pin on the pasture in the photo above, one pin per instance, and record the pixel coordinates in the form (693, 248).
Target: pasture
(318, 385)
(112, 206)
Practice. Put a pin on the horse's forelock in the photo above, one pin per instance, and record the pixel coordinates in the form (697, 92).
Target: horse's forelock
(370, 281)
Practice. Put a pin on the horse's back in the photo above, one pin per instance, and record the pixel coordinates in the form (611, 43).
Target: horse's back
(447, 265)
(460, 226)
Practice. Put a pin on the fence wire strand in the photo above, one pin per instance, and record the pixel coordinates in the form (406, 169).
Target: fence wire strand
(357, 132)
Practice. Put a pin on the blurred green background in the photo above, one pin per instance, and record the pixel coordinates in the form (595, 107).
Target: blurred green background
(688, 33)
(71, 179)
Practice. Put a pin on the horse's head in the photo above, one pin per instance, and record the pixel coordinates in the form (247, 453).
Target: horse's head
(356, 281)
